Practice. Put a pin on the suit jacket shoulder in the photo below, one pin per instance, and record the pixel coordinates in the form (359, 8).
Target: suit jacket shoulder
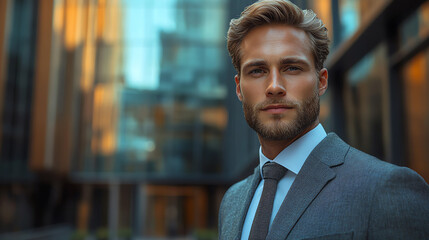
(339, 193)
(365, 197)
(234, 206)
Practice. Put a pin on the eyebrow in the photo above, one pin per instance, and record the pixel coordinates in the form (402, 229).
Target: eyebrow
(254, 63)
(283, 61)
(294, 60)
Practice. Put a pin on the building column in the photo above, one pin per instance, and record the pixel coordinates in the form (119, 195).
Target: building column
(139, 210)
(113, 215)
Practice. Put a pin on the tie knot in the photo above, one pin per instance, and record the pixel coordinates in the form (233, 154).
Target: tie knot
(272, 170)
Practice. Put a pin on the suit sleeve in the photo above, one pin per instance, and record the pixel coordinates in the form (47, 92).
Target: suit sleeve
(223, 213)
(220, 217)
(400, 207)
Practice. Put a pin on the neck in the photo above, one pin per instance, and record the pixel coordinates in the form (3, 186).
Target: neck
(272, 148)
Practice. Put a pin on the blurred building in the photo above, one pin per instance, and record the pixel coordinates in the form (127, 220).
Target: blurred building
(119, 119)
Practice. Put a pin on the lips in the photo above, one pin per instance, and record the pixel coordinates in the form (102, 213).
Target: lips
(276, 108)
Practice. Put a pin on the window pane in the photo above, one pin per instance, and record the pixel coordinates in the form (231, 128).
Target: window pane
(416, 87)
(171, 115)
(416, 27)
(366, 103)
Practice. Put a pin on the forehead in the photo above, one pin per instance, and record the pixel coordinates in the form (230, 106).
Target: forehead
(276, 41)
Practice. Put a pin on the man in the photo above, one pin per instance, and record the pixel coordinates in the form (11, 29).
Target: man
(309, 185)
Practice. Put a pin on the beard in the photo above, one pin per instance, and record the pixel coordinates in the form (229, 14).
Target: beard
(279, 130)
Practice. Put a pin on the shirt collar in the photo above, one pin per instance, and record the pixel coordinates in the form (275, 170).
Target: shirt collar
(294, 155)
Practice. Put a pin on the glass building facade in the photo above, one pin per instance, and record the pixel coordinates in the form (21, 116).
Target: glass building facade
(119, 119)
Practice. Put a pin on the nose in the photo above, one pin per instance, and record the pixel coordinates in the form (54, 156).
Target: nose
(275, 86)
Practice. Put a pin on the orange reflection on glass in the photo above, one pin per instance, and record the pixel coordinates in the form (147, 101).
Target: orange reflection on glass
(101, 17)
(73, 23)
(323, 9)
(424, 19)
(417, 113)
(58, 17)
(89, 48)
(109, 20)
(217, 117)
(104, 119)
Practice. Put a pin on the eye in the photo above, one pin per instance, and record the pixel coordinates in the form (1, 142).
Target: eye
(257, 72)
(292, 69)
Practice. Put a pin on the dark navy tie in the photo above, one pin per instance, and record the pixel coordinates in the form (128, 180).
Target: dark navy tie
(272, 173)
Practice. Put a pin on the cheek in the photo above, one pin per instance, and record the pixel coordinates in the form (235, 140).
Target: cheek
(250, 92)
(302, 89)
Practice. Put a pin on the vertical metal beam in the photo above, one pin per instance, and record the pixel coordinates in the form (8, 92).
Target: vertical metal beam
(139, 210)
(114, 191)
(336, 24)
(5, 12)
(337, 103)
(40, 146)
(397, 148)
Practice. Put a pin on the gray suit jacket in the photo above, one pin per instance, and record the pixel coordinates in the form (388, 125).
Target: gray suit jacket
(340, 193)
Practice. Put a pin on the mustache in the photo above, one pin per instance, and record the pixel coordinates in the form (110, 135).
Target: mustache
(288, 103)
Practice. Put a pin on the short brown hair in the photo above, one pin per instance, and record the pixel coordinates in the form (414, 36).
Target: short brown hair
(278, 12)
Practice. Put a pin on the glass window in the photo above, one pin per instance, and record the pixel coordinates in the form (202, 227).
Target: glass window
(416, 27)
(353, 13)
(17, 85)
(416, 89)
(349, 17)
(171, 117)
(153, 100)
(366, 103)
(369, 8)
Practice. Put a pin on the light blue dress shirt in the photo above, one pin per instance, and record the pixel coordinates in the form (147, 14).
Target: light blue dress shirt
(292, 158)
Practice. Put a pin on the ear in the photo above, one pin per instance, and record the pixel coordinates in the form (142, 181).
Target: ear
(323, 81)
(238, 88)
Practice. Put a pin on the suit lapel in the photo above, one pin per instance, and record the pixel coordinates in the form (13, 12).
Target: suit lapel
(312, 178)
(243, 200)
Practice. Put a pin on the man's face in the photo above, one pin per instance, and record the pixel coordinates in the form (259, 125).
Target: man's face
(278, 83)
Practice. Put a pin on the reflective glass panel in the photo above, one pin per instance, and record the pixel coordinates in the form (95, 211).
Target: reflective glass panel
(416, 27)
(416, 88)
(172, 117)
(366, 106)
